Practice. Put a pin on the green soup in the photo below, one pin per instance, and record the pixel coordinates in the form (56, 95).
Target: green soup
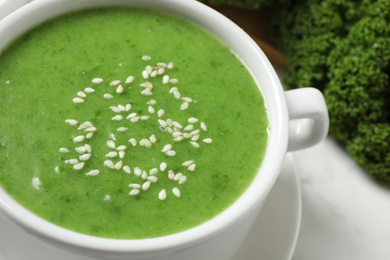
(127, 123)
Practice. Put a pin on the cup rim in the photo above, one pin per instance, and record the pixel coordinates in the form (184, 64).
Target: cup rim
(256, 193)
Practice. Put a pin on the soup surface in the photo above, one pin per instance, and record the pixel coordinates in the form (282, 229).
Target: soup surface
(127, 123)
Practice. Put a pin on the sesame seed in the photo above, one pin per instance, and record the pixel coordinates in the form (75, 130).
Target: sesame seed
(176, 94)
(89, 135)
(90, 129)
(146, 185)
(144, 118)
(151, 102)
(187, 99)
(112, 136)
(162, 123)
(187, 135)
(189, 128)
(161, 64)
(153, 171)
(117, 118)
(89, 90)
(163, 166)
(88, 124)
(173, 81)
(162, 195)
(165, 79)
(195, 138)
(71, 122)
(177, 125)
(169, 122)
(78, 100)
(151, 109)
(144, 175)
(93, 173)
(177, 176)
(154, 73)
(118, 165)
(79, 138)
(57, 169)
(112, 154)
(146, 57)
(64, 150)
(166, 148)
(171, 153)
(133, 141)
(184, 106)
(203, 126)
(78, 166)
(162, 128)
(187, 163)
(171, 175)
(146, 92)
(153, 139)
(121, 154)
(194, 144)
(115, 109)
(176, 192)
(111, 144)
(170, 65)
(107, 197)
(109, 164)
(97, 80)
(192, 120)
(177, 134)
(130, 79)
(160, 112)
(208, 140)
(119, 89)
(149, 69)
(145, 74)
(134, 119)
(137, 171)
(121, 148)
(85, 157)
(131, 115)
(36, 183)
(127, 107)
(121, 108)
(152, 178)
(88, 148)
(122, 129)
(191, 168)
(147, 143)
(134, 192)
(108, 96)
(172, 90)
(178, 139)
(134, 185)
(170, 130)
(195, 132)
(182, 179)
(115, 83)
(81, 94)
(126, 169)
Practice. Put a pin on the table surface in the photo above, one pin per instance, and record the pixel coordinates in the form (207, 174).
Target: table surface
(345, 213)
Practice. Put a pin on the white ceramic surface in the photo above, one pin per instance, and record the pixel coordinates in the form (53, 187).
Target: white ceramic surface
(281, 211)
(219, 237)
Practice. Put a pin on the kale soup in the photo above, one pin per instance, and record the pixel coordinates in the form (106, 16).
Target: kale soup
(127, 123)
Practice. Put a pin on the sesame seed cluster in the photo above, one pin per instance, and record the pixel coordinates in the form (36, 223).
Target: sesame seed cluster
(80, 151)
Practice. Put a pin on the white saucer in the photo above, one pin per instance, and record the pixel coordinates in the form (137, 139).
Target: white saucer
(273, 236)
(275, 233)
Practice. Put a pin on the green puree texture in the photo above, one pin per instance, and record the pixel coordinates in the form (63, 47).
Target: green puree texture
(41, 73)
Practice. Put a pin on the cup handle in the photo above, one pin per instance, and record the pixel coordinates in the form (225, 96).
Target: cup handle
(309, 119)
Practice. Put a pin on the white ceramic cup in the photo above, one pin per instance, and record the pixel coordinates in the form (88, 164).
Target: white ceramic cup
(298, 119)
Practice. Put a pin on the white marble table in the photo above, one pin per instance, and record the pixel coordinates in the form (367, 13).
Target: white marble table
(345, 214)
